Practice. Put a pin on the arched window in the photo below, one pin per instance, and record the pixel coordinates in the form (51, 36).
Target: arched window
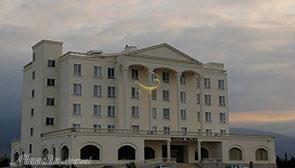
(16, 156)
(54, 153)
(90, 152)
(126, 153)
(45, 153)
(64, 153)
(261, 154)
(204, 153)
(235, 154)
(149, 153)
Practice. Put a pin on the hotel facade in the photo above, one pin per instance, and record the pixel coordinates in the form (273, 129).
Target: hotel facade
(90, 105)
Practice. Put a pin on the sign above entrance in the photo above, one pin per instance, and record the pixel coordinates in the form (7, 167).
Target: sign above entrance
(182, 139)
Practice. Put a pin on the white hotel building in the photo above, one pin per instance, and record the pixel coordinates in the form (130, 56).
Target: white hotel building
(81, 105)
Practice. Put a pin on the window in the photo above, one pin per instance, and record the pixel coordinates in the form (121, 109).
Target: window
(182, 79)
(77, 69)
(208, 132)
(33, 93)
(166, 130)
(235, 154)
(76, 126)
(223, 132)
(166, 95)
(33, 75)
(97, 110)
(134, 74)
(198, 98)
(154, 129)
(31, 131)
(135, 128)
(165, 77)
(166, 113)
(97, 72)
(30, 148)
(206, 83)
(96, 127)
(49, 121)
(261, 154)
(134, 93)
(135, 111)
(220, 84)
(183, 114)
(34, 57)
(77, 89)
(199, 116)
(222, 117)
(111, 111)
(111, 73)
(184, 130)
(154, 94)
(76, 109)
(222, 100)
(97, 91)
(32, 112)
(49, 101)
(208, 116)
(51, 63)
(111, 128)
(182, 97)
(207, 99)
(198, 83)
(50, 82)
(154, 113)
(111, 92)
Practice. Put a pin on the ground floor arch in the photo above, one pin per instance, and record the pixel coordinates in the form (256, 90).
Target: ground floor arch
(149, 153)
(90, 152)
(126, 152)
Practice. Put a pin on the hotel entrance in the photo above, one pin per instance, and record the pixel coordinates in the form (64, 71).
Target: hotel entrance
(178, 152)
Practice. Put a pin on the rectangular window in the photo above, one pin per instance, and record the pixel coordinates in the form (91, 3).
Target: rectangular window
(134, 74)
(165, 77)
(223, 132)
(154, 113)
(135, 111)
(76, 126)
(111, 92)
(182, 97)
(222, 117)
(30, 148)
(50, 101)
(220, 84)
(49, 121)
(34, 57)
(31, 131)
(51, 63)
(206, 83)
(154, 129)
(33, 75)
(97, 72)
(198, 98)
(96, 127)
(184, 130)
(111, 111)
(182, 79)
(199, 116)
(222, 100)
(166, 113)
(134, 93)
(208, 116)
(198, 83)
(76, 109)
(183, 114)
(97, 110)
(166, 95)
(154, 94)
(77, 69)
(77, 89)
(207, 99)
(33, 93)
(166, 130)
(208, 132)
(32, 112)
(111, 73)
(97, 90)
(135, 128)
(50, 82)
(111, 128)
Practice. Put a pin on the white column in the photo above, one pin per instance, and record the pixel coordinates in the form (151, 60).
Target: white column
(126, 93)
(168, 150)
(201, 104)
(178, 75)
(199, 150)
(150, 82)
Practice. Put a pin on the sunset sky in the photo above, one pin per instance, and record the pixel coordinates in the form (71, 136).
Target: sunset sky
(255, 39)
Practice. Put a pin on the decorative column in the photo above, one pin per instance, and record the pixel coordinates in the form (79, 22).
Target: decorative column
(199, 150)
(126, 98)
(201, 104)
(178, 75)
(168, 150)
(150, 82)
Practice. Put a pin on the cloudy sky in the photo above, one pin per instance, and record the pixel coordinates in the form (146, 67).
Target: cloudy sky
(254, 38)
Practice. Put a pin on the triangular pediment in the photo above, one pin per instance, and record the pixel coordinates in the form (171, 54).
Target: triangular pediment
(165, 51)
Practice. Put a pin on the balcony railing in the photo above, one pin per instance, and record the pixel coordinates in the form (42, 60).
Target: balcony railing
(132, 132)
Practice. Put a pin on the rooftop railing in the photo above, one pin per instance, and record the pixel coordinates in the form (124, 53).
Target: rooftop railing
(132, 132)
